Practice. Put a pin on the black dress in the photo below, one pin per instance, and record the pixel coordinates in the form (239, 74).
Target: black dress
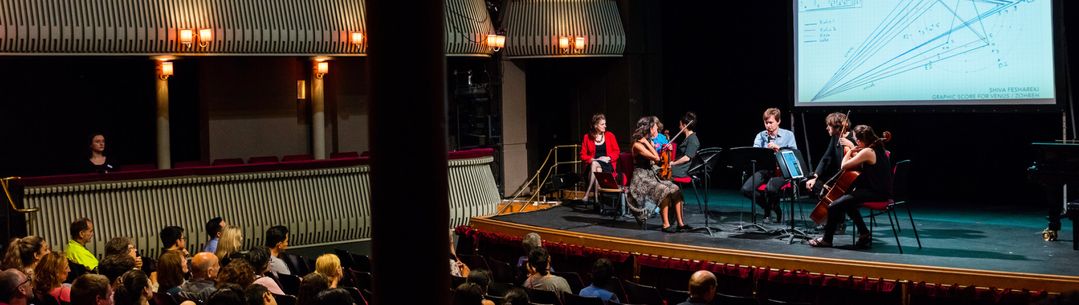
(601, 151)
(109, 166)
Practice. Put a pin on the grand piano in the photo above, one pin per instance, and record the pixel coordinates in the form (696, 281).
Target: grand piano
(1056, 164)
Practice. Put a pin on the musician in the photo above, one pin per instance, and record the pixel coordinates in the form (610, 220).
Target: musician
(775, 138)
(661, 137)
(874, 184)
(687, 150)
(835, 123)
(646, 185)
(599, 149)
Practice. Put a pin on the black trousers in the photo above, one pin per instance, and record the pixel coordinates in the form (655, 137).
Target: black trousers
(769, 198)
(849, 205)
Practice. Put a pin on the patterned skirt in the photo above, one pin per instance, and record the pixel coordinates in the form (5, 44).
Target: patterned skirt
(645, 187)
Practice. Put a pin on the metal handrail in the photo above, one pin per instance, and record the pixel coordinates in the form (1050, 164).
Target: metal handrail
(540, 182)
(4, 183)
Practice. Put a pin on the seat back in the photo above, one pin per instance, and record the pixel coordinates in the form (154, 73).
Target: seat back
(642, 294)
(543, 296)
(625, 167)
(675, 296)
(573, 299)
(734, 300)
(576, 283)
(290, 284)
(900, 173)
(284, 299)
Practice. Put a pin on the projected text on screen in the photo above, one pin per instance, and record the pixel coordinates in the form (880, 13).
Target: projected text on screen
(923, 52)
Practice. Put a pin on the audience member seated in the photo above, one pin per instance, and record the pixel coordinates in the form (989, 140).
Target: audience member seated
(14, 287)
(539, 275)
(237, 272)
(457, 267)
(336, 296)
(602, 271)
(91, 289)
(702, 288)
(23, 254)
(204, 267)
(530, 242)
(123, 246)
(49, 276)
(258, 295)
(259, 259)
(329, 265)
(232, 239)
(112, 267)
(134, 289)
(171, 267)
(481, 278)
(173, 238)
(228, 294)
(277, 242)
(98, 162)
(516, 296)
(82, 232)
(311, 285)
(213, 231)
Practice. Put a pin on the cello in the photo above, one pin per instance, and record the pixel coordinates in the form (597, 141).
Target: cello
(839, 185)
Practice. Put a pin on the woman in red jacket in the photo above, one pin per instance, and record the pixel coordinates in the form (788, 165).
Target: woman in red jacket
(599, 149)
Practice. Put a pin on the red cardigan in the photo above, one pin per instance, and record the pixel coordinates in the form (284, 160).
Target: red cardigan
(588, 148)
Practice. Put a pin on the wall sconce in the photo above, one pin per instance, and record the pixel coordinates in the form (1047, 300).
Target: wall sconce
(187, 37)
(301, 90)
(496, 41)
(321, 68)
(563, 43)
(357, 38)
(165, 70)
(578, 43)
(205, 37)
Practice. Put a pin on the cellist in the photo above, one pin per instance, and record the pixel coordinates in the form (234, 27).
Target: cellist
(838, 126)
(874, 184)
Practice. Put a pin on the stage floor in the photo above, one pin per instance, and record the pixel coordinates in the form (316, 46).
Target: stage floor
(1006, 239)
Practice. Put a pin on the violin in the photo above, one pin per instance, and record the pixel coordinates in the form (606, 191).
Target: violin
(667, 155)
(840, 184)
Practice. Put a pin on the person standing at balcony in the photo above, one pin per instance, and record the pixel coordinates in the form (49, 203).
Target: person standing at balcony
(99, 162)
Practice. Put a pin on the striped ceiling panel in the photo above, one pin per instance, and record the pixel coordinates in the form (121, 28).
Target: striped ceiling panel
(533, 28)
(467, 27)
(133, 27)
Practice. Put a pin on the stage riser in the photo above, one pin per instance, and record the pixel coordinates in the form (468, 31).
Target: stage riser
(329, 205)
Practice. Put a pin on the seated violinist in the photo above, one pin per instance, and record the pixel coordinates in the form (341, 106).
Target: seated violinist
(646, 185)
(874, 184)
(687, 150)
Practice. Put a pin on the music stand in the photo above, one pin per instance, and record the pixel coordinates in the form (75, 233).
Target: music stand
(700, 172)
(752, 158)
(793, 168)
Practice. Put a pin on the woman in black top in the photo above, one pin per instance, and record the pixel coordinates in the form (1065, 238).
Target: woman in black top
(687, 150)
(833, 156)
(99, 163)
(874, 184)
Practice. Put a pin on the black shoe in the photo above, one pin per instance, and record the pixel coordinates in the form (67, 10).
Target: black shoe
(669, 229)
(685, 228)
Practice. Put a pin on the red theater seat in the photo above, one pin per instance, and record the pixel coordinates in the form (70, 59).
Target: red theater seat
(291, 158)
(228, 161)
(190, 164)
(262, 160)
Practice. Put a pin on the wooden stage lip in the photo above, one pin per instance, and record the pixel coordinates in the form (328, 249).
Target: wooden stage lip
(872, 269)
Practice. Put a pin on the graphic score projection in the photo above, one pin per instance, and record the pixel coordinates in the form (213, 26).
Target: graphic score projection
(924, 52)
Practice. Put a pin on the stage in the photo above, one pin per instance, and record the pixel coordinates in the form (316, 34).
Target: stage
(968, 245)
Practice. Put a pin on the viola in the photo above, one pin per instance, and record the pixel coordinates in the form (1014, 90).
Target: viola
(667, 155)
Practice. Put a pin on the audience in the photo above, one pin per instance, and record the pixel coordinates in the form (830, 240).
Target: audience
(516, 296)
(335, 296)
(49, 276)
(204, 267)
(602, 271)
(82, 232)
(123, 246)
(14, 287)
(702, 288)
(228, 294)
(311, 285)
(231, 241)
(173, 238)
(24, 253)
(259, 259)
(112, 267)
(531, 241)
(171, 267)
(134, 289)
(213, 231)
(237, 271)
(277, 242)
(330, 266)
(539, 276)
(91, 289)
(457, 267)
(258, 295)
(470, 294)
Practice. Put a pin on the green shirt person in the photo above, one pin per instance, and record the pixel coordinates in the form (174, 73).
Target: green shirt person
(82, 231)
